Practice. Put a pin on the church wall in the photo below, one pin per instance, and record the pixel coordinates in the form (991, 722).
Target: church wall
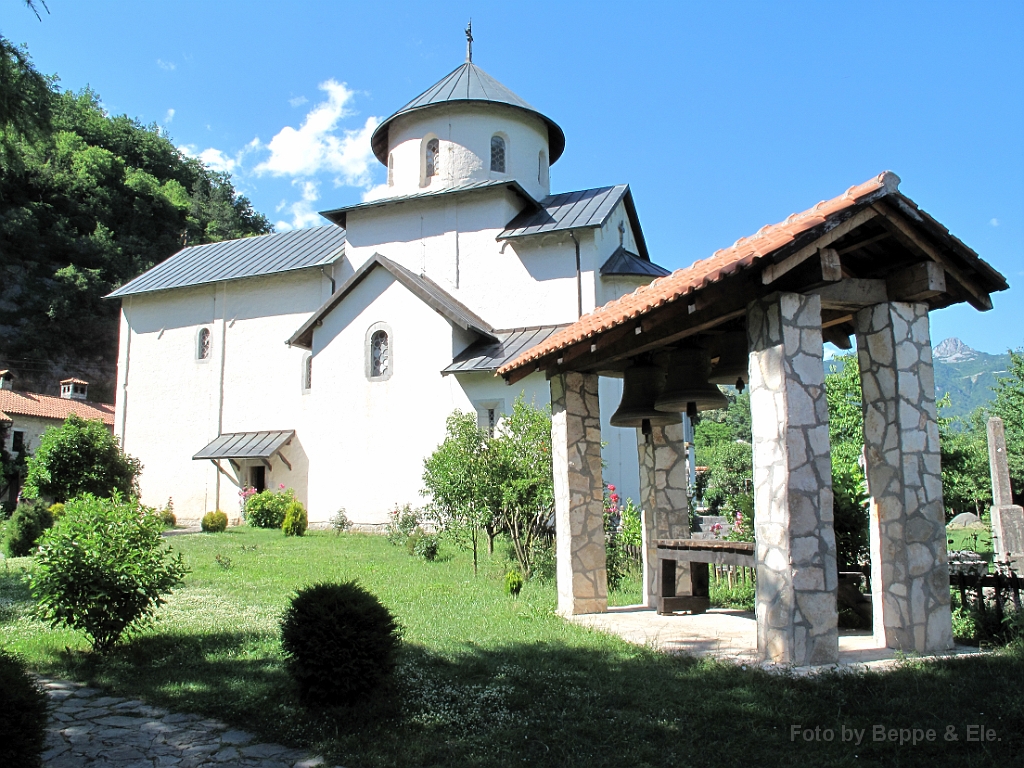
(464, 134)
(171, 407)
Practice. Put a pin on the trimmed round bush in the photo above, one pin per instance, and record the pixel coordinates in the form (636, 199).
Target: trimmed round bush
(295, 520)
(22, 714)
(25, 527)
(426, 546)
(340, 643)
(214, 522)
(267, 509)
(56, 510)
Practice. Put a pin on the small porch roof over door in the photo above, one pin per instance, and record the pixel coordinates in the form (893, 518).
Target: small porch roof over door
(246, 445)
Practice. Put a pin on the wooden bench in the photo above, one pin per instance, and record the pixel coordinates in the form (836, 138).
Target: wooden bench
(699, 553)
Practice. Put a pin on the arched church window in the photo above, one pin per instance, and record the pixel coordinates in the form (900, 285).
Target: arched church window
(497, 154)
(380, 354)
(203, 344)
(542, 168)
(391, 169)
(433, 158)
(307, 372)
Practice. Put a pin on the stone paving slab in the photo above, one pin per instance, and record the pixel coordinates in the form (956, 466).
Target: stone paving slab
(731, 635)
(88, 729)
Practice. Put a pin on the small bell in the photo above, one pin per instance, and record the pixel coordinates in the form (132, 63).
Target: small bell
(687, 387)
(640, 387)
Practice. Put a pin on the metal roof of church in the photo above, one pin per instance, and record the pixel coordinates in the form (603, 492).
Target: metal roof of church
(491, 354)
(236, 259)
(622, 262)
(246, 445)
(467, 84)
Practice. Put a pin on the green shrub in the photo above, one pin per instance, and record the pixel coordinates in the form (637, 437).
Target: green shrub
(104, 570)
(340, 522)
(513, 583)
(22, 714)
(25, 527)
(340, 643)
(267, 509)
(426, 547)
(213, 522)
(56, 510)
(295, 520)
(402, 523)
(167, 516)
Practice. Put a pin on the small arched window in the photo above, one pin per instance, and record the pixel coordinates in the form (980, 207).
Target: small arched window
(542, 168)
(433, 158)
(307, 372)
(497, 154)
(203, 344)
(380, 354)
(391, 169)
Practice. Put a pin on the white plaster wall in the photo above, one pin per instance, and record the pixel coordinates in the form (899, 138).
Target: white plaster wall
(32, 427)
(464, 134)
(171, 405)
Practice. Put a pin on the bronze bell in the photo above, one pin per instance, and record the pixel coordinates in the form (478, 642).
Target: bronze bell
(732, 354)
(640, 387)
(687, 387)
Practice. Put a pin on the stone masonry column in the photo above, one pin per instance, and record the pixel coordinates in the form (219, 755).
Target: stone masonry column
(579, 494)
(1007, 517)
(909, 574)
(666, 511)
(796, 548)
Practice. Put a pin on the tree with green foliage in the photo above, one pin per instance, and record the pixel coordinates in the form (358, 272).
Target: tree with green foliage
(846, 436)
(104, 569)
(963, 442)
(80, 457)
(1009, 406)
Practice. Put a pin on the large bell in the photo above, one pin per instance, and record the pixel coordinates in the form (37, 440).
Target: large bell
(687, 387)
(640, 387)
(733, 357)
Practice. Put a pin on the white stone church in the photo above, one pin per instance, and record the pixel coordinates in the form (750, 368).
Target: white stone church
(327, 360)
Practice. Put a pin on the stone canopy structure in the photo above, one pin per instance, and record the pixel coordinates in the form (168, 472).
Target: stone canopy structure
(868, 264)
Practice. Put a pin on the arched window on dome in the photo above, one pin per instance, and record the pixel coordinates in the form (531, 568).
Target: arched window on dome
(391, 169)
(433, 159)
(203, 343)
(497, 154)
(542, 168)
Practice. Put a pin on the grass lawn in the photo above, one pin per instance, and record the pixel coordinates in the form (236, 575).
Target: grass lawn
(486, 680)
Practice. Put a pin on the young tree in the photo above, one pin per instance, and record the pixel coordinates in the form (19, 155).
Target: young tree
(80, 457)
(846, 435)
(966, 482)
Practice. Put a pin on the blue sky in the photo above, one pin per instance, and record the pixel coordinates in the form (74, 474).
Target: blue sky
(723, 117)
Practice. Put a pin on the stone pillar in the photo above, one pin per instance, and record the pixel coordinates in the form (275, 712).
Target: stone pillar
(1007, 517)
(796, 548)
(666, 511)
(579, 494)
(909, 574)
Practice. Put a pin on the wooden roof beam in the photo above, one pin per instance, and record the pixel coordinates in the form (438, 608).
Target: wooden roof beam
(773, 272)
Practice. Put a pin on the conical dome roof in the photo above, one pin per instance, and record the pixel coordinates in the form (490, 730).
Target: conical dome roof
(468, 84)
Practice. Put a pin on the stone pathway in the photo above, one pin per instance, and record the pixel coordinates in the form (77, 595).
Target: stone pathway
(89, 729)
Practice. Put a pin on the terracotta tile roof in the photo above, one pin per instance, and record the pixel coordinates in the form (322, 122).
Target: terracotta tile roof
(15, 403)
(4, 418)
(741, 254)
(73, 381)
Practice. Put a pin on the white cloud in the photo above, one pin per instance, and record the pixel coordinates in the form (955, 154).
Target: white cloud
(298, 101)
(170, 66)
(169, 116)
(994, 222)
(303, 213)
(319, 145)
(377, 192)
(217, 160)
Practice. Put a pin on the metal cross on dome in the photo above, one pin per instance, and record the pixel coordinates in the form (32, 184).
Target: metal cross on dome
(469, 41)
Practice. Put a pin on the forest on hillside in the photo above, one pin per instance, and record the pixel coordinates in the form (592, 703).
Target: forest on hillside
(88, 200)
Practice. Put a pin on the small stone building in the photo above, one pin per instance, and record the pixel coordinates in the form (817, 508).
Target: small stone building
(868, 264)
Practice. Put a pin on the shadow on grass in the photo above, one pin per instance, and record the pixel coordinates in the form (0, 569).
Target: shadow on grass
(552, 704)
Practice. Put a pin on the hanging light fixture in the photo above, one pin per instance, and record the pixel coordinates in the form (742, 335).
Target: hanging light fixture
(640, 387)
(687, 387)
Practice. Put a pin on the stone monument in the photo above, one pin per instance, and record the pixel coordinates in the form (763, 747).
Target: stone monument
(1007, 518)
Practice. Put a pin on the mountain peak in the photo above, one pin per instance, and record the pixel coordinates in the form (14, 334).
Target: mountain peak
(952, 350)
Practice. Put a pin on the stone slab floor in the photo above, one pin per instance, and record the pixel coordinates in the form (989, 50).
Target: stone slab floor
(728, 635)
(90, 730)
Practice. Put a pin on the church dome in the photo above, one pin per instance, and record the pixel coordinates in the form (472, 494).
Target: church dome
(467, 85)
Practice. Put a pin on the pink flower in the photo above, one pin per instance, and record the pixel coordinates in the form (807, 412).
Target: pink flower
(611, 487)
(615, 498)
(281, 486)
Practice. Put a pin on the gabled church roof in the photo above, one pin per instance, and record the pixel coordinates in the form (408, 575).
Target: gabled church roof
(584, 209)
(491, 354)
(235, 259)
(421, 286)
(622, 262)
(467, 84)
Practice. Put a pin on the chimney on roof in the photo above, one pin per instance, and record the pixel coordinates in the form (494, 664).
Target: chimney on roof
(6, 380)
(74, 389)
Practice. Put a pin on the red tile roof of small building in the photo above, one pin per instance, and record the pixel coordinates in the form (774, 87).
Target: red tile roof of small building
(15, 403)
(73, 380)
(741, 254)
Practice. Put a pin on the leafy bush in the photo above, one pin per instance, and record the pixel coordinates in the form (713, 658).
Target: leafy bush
(80, 457)
(295, 520)
(340, 643)
(267, 509)
(340, 522)
(25, 527)
(513, 583)
(104, 570)
(22, 714)
(213, 522)
(426, 547)
(402, 523)
(56, 510)
(167, 515)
